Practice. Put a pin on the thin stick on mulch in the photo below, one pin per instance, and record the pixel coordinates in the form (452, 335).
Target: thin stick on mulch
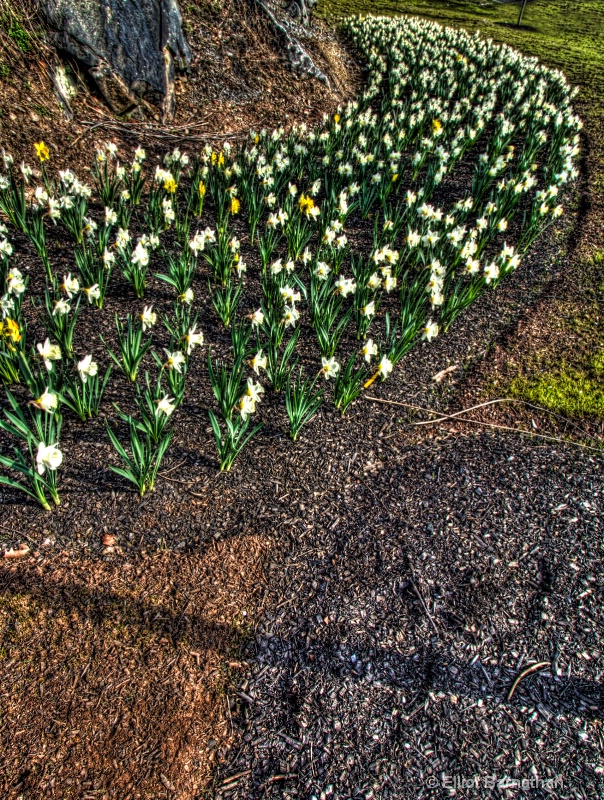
(524, 673)
(457, 417)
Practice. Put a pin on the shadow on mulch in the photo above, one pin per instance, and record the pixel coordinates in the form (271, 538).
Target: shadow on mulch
(103, 663)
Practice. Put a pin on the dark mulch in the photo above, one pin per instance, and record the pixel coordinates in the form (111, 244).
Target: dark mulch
(405, 598)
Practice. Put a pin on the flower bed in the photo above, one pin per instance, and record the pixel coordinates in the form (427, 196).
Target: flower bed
(326, 254)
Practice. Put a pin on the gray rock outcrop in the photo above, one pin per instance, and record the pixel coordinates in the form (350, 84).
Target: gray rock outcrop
(130, 47)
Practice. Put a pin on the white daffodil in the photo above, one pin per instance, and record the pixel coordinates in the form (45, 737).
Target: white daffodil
(193, 339)
(329, 368)
(61, 308)
(430, 330)
(49, 352)
(122, 238)
(140, 255)
(257, 318)
(48, 457)
(240, 267)
(187, 297)
(165, 406)
(148, 317)
(291, 315)
(369, 350)
(48, 401)
(246, 406)
(389, 283)
(110, 217)
(197, 243)
(345, 286)
(368, 310)
(87, 368)
(70, 285)
(14, 282)
(491, 272)
(322, 270)
(258, 362)
(289, 296)
(374, 281)
(385, 367)
(174, 360)
(413, 238)
(254, 390)
(7, 305)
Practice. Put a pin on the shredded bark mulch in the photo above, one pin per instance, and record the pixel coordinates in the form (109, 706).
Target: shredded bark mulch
(114, 674)
(401, 613)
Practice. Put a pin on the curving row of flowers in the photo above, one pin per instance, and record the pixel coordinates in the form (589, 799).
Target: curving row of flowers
(354, 231)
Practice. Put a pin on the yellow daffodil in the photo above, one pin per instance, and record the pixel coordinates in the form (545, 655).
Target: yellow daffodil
(42, 151)
(9, 329)
(306, 204)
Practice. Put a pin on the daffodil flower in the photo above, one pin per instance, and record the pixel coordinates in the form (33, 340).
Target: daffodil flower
(42, 151)
(110, 217)
(290, 316)
(187, 297)
(254, 390)
(329, 368)
(345, 286)
(140, 255)
(48, 401)
(369, 350)
(61, 308)
(246, 406)
(48, 457)
(174, 360)
(165, 405)
(368, 310)
(491, 272)
(70, 285)
(49, 352)
(258, 362)
(148, 317)
(430, 330)
(87, 368)
(257, 318)
(193, 339)
(122, 238)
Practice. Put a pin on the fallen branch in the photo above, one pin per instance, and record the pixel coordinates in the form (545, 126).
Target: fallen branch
(524, 673)
(442, 417)
(424, 606)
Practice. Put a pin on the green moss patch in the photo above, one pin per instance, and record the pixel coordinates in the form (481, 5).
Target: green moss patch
(569, 391)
